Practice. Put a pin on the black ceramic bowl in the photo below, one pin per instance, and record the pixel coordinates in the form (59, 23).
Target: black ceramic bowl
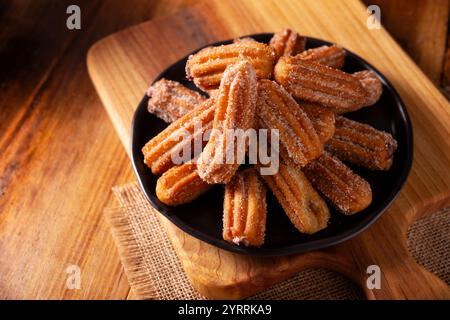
(203, 217)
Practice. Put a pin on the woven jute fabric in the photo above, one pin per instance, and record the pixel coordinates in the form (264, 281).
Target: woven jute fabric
(154, 271)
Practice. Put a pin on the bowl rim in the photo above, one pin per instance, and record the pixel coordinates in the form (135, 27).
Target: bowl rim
(300, 247)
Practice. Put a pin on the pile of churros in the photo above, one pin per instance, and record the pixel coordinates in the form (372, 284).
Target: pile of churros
(303, 95)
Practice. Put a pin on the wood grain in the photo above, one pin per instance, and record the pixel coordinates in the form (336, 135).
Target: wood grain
(420, 27)
(60, 156)
(133, 57)
(53, 190)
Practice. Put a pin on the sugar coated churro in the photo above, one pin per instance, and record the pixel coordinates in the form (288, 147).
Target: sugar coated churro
(244, 209)
(362, 144)
(178, 136)
(278, 110)
(371, 84)
(235, 110)
(302, 204)
(313, 82)
(322, 119)
(287, 42)
(347, 191)
(332, 56)
(170, 100)
(180, 185)
(207, 66)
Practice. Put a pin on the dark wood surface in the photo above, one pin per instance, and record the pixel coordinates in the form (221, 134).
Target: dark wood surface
(59, 153)
(420, 27)
(122, 65)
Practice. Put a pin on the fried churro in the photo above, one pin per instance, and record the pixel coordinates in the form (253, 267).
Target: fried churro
(371, 84)
(207, 66)
(313, 82)
(347, 191)
(278, 110)
(170, 100)
(244, 209)
(177, 137)
(287, 43)
(235, 110)
(180, 185)
(331, 56)
(305, 208)
(322, 119)
(362, 144)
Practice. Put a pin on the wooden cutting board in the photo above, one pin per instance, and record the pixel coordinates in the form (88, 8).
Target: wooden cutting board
(123, 64)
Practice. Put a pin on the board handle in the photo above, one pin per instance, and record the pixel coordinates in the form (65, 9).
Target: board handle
(408, 280)
(400, 276)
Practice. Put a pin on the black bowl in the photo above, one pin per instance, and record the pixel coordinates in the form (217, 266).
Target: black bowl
(203, 217)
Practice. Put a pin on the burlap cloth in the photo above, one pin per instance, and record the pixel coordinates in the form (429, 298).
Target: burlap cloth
(154, 271)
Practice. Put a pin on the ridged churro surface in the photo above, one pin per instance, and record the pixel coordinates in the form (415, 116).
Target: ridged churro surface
(322, 119)
(170, 100)
(180, 184)
(207, 66)
(235, 110)
(331, 56)
(346, 190)
(305, 208)
(244, 209)
(287, 43)
(178, 136)
(313, 82)
(362, 144)
(371, 84)
(278, 110)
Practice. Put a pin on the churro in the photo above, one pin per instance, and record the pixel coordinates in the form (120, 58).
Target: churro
(305, 208)
(235, 110)
(170, 100)
(180, 135)
(206, 67)
(244, 209)
(322, 119)
(331, 56)
(180, 184)
(313, 82)
(347, 191)
(278, 110)
(287, 43)
(362, 144)
(371, 84)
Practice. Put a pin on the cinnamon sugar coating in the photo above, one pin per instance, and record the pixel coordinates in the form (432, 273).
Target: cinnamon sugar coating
(347, 191)
(362, 145)
(180, 185)
(302, 204)
(244, 209)
(159, 151)
(332, 56)
(312, 82)
(287, 43)
(206, 67)
(278, 110)
(170, 100)
(235, 109)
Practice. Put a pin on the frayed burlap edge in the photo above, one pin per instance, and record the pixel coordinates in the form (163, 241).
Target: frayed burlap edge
(154, 271)
(131, 254)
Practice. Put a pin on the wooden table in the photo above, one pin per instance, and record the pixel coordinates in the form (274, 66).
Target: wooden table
(60, 155)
